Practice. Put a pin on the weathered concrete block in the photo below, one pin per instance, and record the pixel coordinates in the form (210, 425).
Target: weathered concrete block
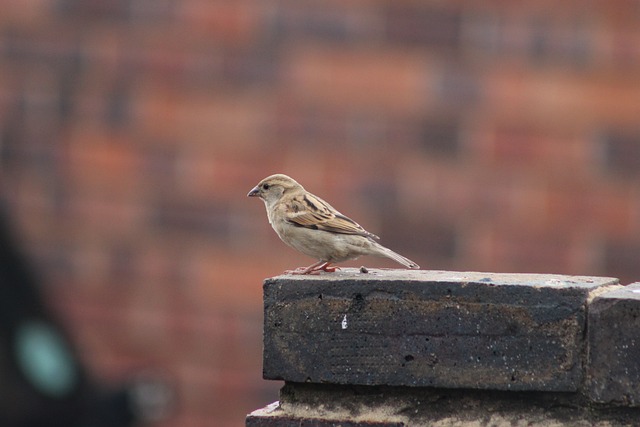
(275, 415)
(327, 405)
(614, 347)
(428, 328)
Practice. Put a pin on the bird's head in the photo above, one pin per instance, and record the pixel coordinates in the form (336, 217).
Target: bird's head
(273, 187)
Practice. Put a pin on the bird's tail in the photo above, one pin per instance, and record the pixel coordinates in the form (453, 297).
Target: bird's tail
(397, 257)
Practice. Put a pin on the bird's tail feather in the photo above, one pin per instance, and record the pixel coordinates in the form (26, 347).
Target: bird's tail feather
(397, 257)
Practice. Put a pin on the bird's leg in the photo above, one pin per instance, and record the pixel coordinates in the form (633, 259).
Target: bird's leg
(313, 268)
(326, 267)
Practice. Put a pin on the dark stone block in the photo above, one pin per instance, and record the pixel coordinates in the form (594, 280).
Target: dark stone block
(613, 369)
(428, 328)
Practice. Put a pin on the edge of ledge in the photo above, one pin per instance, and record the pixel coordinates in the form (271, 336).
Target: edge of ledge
(457, 277)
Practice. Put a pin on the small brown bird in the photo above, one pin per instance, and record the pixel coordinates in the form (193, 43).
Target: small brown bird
(312, 226)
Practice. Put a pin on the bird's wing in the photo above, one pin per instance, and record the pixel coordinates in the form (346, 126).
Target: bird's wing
(307, 210)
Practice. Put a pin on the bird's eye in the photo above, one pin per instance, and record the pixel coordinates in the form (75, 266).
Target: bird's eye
(265, 186)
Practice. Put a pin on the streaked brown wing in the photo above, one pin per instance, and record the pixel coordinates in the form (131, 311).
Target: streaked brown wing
(310, 211)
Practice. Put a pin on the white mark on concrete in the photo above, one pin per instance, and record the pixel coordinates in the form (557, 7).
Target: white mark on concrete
(272, 407)
(635, 291)
(344, 322)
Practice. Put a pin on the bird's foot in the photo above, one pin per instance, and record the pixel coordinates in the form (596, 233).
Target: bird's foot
(326, 267)
(302, 270)
(313, 269)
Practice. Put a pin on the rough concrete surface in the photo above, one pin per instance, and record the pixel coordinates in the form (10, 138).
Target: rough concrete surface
(429, 328)
(360, 406)
(614, 347)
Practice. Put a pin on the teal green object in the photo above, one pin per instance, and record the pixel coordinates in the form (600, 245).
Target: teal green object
(45, 359)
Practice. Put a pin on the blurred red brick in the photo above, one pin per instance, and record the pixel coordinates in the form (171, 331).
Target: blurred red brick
(30, 12)
(232, 22)
(393, 80)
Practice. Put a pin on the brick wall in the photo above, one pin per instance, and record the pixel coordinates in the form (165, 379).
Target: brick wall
(486, 136)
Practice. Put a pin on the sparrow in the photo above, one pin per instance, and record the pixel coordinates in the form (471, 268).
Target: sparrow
(312, 226)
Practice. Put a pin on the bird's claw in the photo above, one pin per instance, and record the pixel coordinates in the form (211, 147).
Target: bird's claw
(302, 270)
(314, 269)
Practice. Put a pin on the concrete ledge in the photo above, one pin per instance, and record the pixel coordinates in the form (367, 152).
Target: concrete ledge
(319, 405)
(614, 347)
(429, 328)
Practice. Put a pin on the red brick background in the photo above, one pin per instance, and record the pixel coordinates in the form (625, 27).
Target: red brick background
(497, 136)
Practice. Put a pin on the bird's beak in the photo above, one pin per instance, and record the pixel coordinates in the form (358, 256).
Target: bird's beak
(255, 192)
